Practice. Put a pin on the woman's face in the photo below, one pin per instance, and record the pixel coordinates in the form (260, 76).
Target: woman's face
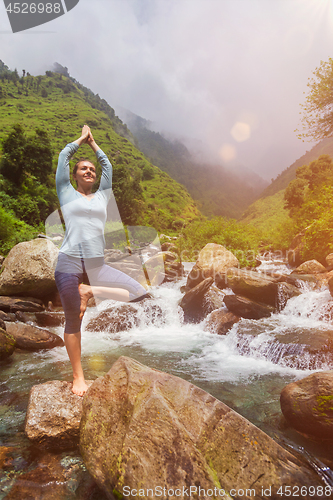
(85, 175)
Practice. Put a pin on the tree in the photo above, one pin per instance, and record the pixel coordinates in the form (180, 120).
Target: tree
(317, 117)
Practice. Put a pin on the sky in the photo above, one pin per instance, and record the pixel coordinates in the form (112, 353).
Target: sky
(228, 76)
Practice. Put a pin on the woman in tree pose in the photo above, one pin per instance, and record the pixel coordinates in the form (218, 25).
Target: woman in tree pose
(81, 256)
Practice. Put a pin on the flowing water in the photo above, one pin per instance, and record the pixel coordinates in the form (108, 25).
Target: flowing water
(246, 369)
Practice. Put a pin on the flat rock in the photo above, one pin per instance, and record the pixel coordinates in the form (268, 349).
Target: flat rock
(32, 338)
(253, 285)
(7, 344)
(14, 304)
(307, 404)
(28, 270)
(53, 415)
(246, 308)
(142, 428)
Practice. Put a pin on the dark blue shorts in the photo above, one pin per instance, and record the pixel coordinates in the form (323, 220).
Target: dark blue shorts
(72, 271)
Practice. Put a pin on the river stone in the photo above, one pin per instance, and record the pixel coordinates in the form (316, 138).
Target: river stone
(53, 415)
(310, 267)
(7, 316)
(48, 318)
(246, 308)
(213, 261)
(141, 428)
(7, 344)
(193, 302)
(32, 338)
(14, 304)
(221, 321)
(308, 404)
(28, 269)
(116, 319)
(253, 285)
(329, 260)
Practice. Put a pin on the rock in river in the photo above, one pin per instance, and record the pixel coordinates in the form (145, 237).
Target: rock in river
(308, 404)
(33, 338)
(213, 261)
(53, 415)
(28, 269)
(143, 428)
(246, 308)
(7, 344)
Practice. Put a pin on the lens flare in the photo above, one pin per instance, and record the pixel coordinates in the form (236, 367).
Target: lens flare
(241, 131)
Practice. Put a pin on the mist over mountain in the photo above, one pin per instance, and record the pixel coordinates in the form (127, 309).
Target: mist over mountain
(217, 190)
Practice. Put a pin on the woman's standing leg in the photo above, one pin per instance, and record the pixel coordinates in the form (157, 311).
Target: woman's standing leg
(68, 286)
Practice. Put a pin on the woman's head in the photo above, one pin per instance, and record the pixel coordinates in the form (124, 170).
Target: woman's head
(84, 173)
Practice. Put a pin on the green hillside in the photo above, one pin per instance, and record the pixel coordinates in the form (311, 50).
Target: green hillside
(268, 213)
(289, 174)
(60, 106)
(218, 191)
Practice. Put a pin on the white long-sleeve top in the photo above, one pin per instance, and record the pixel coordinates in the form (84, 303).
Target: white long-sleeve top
(84, 217)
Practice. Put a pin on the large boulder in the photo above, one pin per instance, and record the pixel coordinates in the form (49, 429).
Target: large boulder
(213, 261)
(142, 428)
(246, 308)
(7, 344)
(28, 269)
(253, 285)
(193, 302)
(53, 415)
(310, 267)
(308, 404)
(32, 338)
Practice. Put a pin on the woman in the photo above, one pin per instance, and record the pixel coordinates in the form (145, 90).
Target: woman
(81, 256)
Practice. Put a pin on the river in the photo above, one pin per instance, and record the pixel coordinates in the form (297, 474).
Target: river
(246, 369)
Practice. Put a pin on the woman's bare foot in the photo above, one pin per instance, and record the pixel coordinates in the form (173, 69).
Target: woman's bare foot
(79, 386)
(85, 294)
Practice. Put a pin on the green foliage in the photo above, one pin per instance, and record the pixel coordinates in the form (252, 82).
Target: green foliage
(13, 231)
(310, 200)
(317, 117)
(241, 239)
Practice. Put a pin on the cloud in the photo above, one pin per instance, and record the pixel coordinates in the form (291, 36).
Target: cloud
(230, 73)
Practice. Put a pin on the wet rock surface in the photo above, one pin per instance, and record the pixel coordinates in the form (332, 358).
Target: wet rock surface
(193, 302)
(144, 427)
(307, 405)
(221, 321)
(32, 338)
(7, 343)
(246, 308)
(53, 415)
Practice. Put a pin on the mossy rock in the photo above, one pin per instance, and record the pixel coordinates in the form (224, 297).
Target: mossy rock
(7, 344)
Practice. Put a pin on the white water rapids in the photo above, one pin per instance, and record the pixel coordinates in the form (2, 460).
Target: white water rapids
(246, 369)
